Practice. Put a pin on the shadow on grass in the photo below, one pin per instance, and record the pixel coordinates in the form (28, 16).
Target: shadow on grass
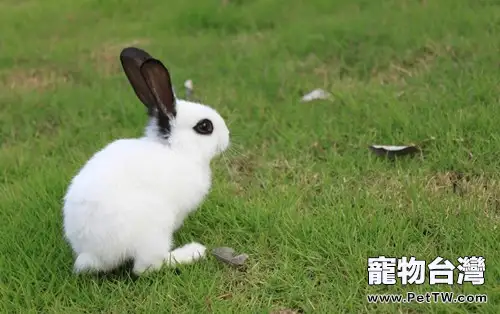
(123, 273)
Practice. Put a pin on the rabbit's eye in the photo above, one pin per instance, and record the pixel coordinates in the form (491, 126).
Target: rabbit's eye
(204, 127)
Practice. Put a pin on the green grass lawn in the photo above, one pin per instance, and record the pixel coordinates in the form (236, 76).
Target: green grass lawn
(300, 191)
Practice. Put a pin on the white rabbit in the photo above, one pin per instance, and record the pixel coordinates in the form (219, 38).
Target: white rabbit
(130, 197)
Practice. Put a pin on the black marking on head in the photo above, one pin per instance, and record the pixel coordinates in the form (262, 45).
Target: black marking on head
(204, 127)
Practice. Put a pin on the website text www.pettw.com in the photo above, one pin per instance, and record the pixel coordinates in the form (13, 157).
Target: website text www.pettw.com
(429, 297)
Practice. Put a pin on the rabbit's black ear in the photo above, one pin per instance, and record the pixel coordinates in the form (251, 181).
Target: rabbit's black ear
(158, 79)
(132, 59)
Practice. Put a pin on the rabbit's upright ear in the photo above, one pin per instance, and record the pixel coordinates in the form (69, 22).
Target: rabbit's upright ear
(132, 59)
(158, 79)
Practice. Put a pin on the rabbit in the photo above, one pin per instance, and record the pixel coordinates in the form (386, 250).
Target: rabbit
(130, 197)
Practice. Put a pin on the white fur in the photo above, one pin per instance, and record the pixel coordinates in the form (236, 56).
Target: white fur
(130, 197)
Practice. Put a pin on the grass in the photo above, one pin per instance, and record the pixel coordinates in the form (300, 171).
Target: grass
(303, 195)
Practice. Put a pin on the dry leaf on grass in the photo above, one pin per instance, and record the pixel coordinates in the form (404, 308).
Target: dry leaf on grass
(226, 255)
